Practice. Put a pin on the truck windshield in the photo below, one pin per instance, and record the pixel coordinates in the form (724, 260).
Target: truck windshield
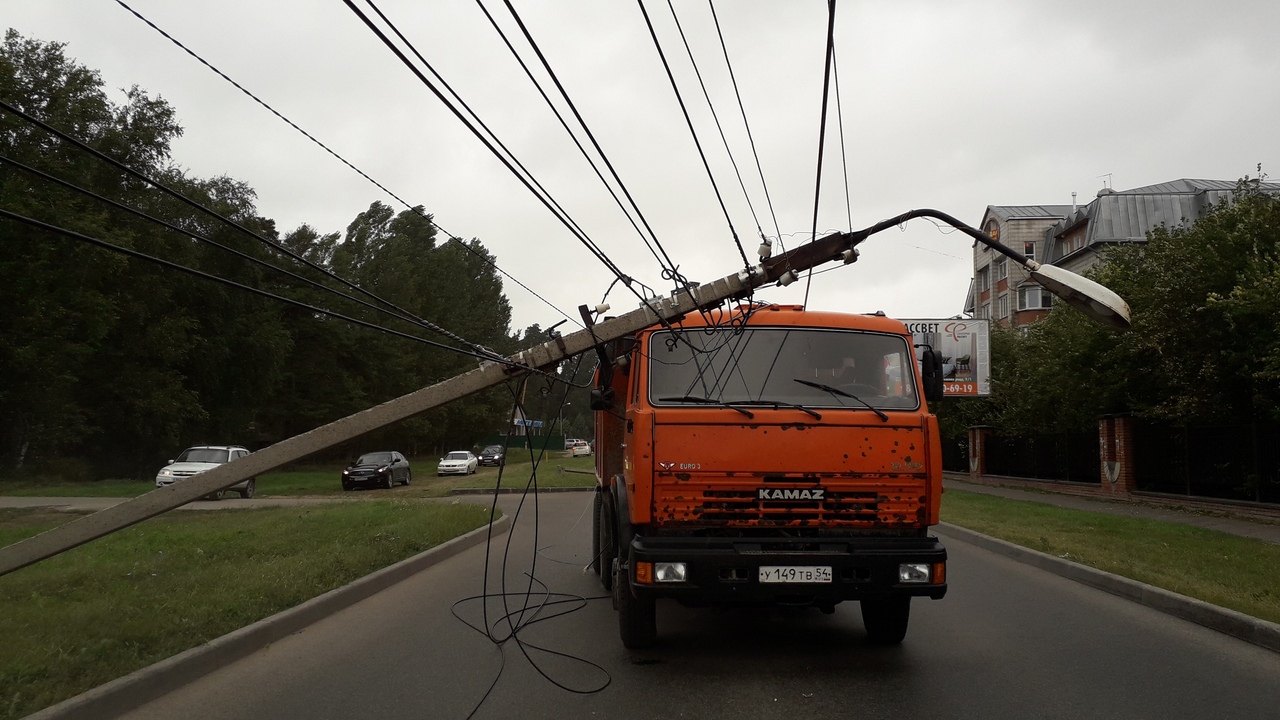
(755, 364)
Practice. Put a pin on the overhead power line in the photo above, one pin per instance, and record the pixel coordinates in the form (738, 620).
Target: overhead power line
(689, 122)
(742, 108)
(651, 241)
(363, 174)
(716, 117)
(504, 156)
(196, 236)
(844, 153)
(270, 243)
(822, 128)
(80, 237)
(487, 137)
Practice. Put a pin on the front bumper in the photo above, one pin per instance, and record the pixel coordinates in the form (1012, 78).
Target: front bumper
(464, 470)
(167, 480)
(726, 570)
(364, 480)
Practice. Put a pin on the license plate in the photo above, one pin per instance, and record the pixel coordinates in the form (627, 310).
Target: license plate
(795, 573)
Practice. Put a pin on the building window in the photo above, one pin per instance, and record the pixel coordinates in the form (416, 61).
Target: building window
(1002, 269)
(1029, 249)
(1034, 298)
(984, 312)
(1002, 307)
(984, 279)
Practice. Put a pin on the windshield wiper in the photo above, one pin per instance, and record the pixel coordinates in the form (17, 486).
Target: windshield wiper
(838, 391)
(707, 401)
(776, 404)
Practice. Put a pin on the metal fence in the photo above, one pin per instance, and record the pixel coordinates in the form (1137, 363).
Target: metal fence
(955, 454)
(1071, 457)
(1228, 462)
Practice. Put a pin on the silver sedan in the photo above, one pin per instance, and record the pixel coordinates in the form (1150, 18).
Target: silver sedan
(458, 462)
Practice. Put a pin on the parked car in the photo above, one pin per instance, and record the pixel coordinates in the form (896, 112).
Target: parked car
(377, 469)
(581, 449)
(495, 455)
(458, 462)
(570, 442)
(195, 460)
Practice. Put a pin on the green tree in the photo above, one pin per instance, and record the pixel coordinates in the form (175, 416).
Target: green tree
(120, 363)
(1205, 342)
(63, 301)
(106, 358)
(1206, 338)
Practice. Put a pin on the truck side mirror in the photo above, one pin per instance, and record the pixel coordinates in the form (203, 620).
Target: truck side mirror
(602, 398)
(931, 370)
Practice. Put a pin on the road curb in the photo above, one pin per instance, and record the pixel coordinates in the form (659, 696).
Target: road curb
(131, 691)
(514, 491)
(1236, 624)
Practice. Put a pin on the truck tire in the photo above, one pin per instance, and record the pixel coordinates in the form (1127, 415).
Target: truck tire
(608, 546)
(637, 616)
(886, 618)
(595, 533)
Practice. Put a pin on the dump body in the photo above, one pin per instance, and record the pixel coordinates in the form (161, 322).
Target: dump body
(777, 456)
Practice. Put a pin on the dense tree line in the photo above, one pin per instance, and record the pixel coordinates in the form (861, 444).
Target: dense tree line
(1205, 343)
(109, 365)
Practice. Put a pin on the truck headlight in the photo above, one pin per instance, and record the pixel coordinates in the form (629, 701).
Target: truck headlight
(914, 573)
(670, 572)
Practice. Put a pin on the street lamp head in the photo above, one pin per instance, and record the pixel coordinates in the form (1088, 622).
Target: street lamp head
(1087, 296)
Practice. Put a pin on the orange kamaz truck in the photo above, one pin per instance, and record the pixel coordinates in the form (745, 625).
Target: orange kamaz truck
(768, 454)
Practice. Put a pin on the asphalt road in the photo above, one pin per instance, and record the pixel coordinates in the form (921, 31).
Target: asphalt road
(1008, 641)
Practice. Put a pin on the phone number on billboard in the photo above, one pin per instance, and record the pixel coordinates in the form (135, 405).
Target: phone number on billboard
(960, 388)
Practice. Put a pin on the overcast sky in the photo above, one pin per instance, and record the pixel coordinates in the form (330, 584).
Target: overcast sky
(949, 105)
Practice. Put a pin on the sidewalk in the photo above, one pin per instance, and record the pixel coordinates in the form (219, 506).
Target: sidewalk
(1221, 523)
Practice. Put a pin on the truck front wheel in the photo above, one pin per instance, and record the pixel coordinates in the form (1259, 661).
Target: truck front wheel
(637, 616)
(605, 519)
(886, 618)
(595, 533)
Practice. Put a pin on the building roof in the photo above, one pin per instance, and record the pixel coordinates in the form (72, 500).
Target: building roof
(1026, 212)
(1128, 215)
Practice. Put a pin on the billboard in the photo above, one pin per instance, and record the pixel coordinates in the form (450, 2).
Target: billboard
(966, 353)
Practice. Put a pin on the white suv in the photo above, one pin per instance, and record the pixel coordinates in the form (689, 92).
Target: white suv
(198, 459)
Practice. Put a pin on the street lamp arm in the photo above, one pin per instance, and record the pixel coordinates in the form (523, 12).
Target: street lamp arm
(1091, 298)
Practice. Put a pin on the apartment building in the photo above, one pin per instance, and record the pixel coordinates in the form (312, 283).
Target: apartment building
(1075, 237)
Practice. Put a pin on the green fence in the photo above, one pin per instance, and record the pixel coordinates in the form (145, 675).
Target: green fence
(552, 443)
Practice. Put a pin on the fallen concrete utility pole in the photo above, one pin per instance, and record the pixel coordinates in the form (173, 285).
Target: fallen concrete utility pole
(1091, 298)
(489, 374)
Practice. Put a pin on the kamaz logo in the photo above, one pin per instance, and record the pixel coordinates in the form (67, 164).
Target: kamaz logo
(790, 493)
(666, 465)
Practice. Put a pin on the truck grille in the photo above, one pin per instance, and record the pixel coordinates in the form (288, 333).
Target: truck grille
(873, 504)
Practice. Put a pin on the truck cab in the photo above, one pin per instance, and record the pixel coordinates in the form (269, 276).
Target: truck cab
(767, 454)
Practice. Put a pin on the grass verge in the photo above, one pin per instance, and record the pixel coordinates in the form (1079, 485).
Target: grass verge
(105, 609)
(325, 481)
(1224, 570)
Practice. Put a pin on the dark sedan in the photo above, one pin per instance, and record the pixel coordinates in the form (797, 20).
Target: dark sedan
(494, 455)
(379, 469)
